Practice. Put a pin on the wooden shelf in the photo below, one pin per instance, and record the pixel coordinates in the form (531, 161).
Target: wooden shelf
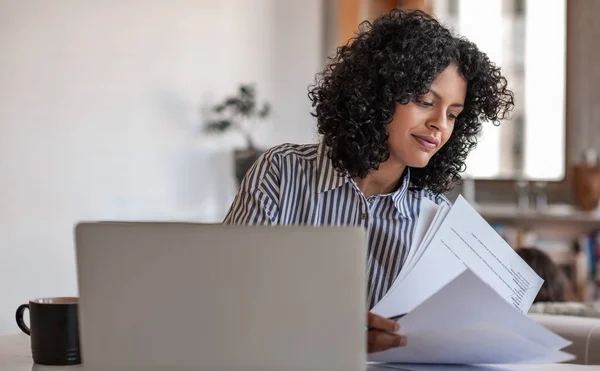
(553, 213)
(563, 220)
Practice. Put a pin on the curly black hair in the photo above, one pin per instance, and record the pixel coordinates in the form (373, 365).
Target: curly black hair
(394, 60)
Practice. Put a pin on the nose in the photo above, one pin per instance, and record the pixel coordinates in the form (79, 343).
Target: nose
(438, 120)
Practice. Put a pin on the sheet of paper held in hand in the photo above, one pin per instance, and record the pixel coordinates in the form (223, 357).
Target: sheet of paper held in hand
(513, 367)
(465, 291)
(463, 239)
(468, 322)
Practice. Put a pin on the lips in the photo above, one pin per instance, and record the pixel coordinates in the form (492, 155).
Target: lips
(427, 142)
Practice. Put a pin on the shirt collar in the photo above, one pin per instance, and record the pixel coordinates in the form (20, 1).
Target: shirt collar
(399, 196)
(328, 179)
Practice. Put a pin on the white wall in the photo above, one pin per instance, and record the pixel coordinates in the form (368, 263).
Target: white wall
(100, 103)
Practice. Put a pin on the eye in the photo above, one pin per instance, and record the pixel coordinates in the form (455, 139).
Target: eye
(452, 116)
(425, 102)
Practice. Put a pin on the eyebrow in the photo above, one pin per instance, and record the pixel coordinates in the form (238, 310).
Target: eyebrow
(439, 97)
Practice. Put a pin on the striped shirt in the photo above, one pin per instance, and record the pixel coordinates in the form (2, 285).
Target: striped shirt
(293, 184)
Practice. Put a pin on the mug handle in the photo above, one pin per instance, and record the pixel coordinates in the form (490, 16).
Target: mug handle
(19, 318)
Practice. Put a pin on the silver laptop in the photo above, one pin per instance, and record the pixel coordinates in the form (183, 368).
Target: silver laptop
(179, 297)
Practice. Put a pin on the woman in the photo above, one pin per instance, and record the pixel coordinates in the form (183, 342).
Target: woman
(398, 108)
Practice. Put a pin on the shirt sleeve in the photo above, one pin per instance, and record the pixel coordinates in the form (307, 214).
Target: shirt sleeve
(257, 200)
(442, 199)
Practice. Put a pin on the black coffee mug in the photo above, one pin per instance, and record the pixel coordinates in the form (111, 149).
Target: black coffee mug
(54, 330)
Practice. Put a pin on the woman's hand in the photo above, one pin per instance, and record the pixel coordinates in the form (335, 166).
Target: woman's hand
(380, 336)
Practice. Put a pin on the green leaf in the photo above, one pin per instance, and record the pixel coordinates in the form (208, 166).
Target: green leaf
(247, 90)
(233, 102)
(242, 104)
(218, 125)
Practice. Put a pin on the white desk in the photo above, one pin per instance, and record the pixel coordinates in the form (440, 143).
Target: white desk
(15, 355)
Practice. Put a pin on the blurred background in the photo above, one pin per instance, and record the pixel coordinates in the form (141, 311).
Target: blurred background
(108, 111)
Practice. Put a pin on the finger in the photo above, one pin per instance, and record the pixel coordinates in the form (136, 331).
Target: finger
(384, 340)
(382, 323)
(374, 347)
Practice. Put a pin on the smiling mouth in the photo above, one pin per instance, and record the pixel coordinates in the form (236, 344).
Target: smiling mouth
(427, 143)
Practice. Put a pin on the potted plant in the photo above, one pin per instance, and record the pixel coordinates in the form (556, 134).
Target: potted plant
(242, 113)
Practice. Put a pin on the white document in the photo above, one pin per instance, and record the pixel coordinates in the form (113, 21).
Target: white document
(557, 356)
(427, 213)
(486, 330)
(437, 266)
(434, 367)
(485, 252)
(429, 220)
(439, 367)
(459, 308)
(465, 294)
(473, 343)
(464, 240)
(433, 215)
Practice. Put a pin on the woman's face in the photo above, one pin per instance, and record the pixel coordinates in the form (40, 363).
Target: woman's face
(419, 129)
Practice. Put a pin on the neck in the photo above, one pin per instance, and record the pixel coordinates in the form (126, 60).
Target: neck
(384, 180)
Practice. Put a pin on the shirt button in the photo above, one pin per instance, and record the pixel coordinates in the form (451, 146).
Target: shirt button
(363, 216)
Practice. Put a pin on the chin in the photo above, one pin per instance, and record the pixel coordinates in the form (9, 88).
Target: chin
(418, 162)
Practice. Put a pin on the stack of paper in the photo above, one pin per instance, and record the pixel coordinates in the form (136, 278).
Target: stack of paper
(466, 293)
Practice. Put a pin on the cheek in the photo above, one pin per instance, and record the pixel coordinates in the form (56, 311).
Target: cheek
(446, 136)
(405, 118)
